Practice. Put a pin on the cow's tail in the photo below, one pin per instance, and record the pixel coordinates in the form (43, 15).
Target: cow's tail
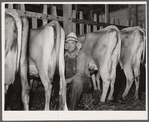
(18, 21)
(118, 39)
(119, 44)
(144, 47)
(143, 34)
(57, 28)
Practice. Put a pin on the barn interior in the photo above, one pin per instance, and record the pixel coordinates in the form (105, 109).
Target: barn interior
(79, 18)
(82, 18)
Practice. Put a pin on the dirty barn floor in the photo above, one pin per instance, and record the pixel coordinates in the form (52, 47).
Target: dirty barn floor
(88, 102)
(13, 100)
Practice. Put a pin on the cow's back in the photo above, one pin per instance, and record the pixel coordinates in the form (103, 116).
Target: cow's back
(98, 45)
(131, 42)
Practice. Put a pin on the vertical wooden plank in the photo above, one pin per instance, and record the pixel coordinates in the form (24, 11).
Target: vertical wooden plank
(95, 19)
(81, 25)
(74, 24)
(112, 20)
(44, 21)
(34, 22)
(89, 18)
(131, 24)
(53, 10)
(117, 22)
(88, 28)
(143, 25)
(127, 23)
(103, 18)
(136, 15)
(139, 24)
(67, 24)
(128, 14)
(21, 7)
(100, 20)
(106, 13)
(10, 6)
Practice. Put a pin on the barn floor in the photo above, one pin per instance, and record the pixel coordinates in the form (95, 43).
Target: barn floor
(13, 102)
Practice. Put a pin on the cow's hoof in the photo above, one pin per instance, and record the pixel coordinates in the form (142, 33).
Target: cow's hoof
(110, 101)
(122, 100)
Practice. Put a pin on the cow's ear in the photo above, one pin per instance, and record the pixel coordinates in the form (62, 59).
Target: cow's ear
(79, 45)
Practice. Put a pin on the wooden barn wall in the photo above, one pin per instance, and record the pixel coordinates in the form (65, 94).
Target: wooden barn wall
(120, 17)
(138, 10)
(141, 15)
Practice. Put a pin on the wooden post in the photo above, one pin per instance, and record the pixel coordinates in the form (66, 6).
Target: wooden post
(90, 18)
(10, 6)
(117, 21)
(139, 24)
(136, 15)
(67, 24)
(103, 18)
(100, 20)
(53, 10)
(81, 25)
(131, 23)
(112, 20)
(128, 14)
(133, 14)
(74, 24)
(34, 22)
(143, 25)
(21, 7)
(106, 13)
(95, 19)
(127, 23)
(44, 21)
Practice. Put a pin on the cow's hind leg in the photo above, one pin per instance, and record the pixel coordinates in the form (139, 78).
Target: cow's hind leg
(62, 91)
(137, 80)
(106, 81)
(47, 87)
(25, 88)
(98, 81)
(94, 81)
(24, 65)
(129, 80)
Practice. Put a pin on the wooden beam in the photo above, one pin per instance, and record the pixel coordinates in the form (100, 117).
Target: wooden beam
(45, 11)
(53, 10)
(86, 22)
(95, 19)
(39, 15)
(128, 15)
(21, 7)
(106, 13)
(10, 6)
(74, 24)
(67, 24)
(136, 13)
(81, 25)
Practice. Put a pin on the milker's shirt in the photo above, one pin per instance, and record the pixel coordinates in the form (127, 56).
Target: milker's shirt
(76, 64)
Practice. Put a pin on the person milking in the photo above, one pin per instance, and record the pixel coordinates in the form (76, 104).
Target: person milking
(78, 70)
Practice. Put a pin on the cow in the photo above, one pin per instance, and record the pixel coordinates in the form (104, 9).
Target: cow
(103, 47)
(15, 52)
(46, 56)
(132, 55)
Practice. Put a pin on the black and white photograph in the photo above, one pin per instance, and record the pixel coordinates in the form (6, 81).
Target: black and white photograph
(74, 61)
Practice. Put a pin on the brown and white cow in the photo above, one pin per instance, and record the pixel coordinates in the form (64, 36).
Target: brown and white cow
(16, 28)
(46, 51)
(132, 54)
(104, 47)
